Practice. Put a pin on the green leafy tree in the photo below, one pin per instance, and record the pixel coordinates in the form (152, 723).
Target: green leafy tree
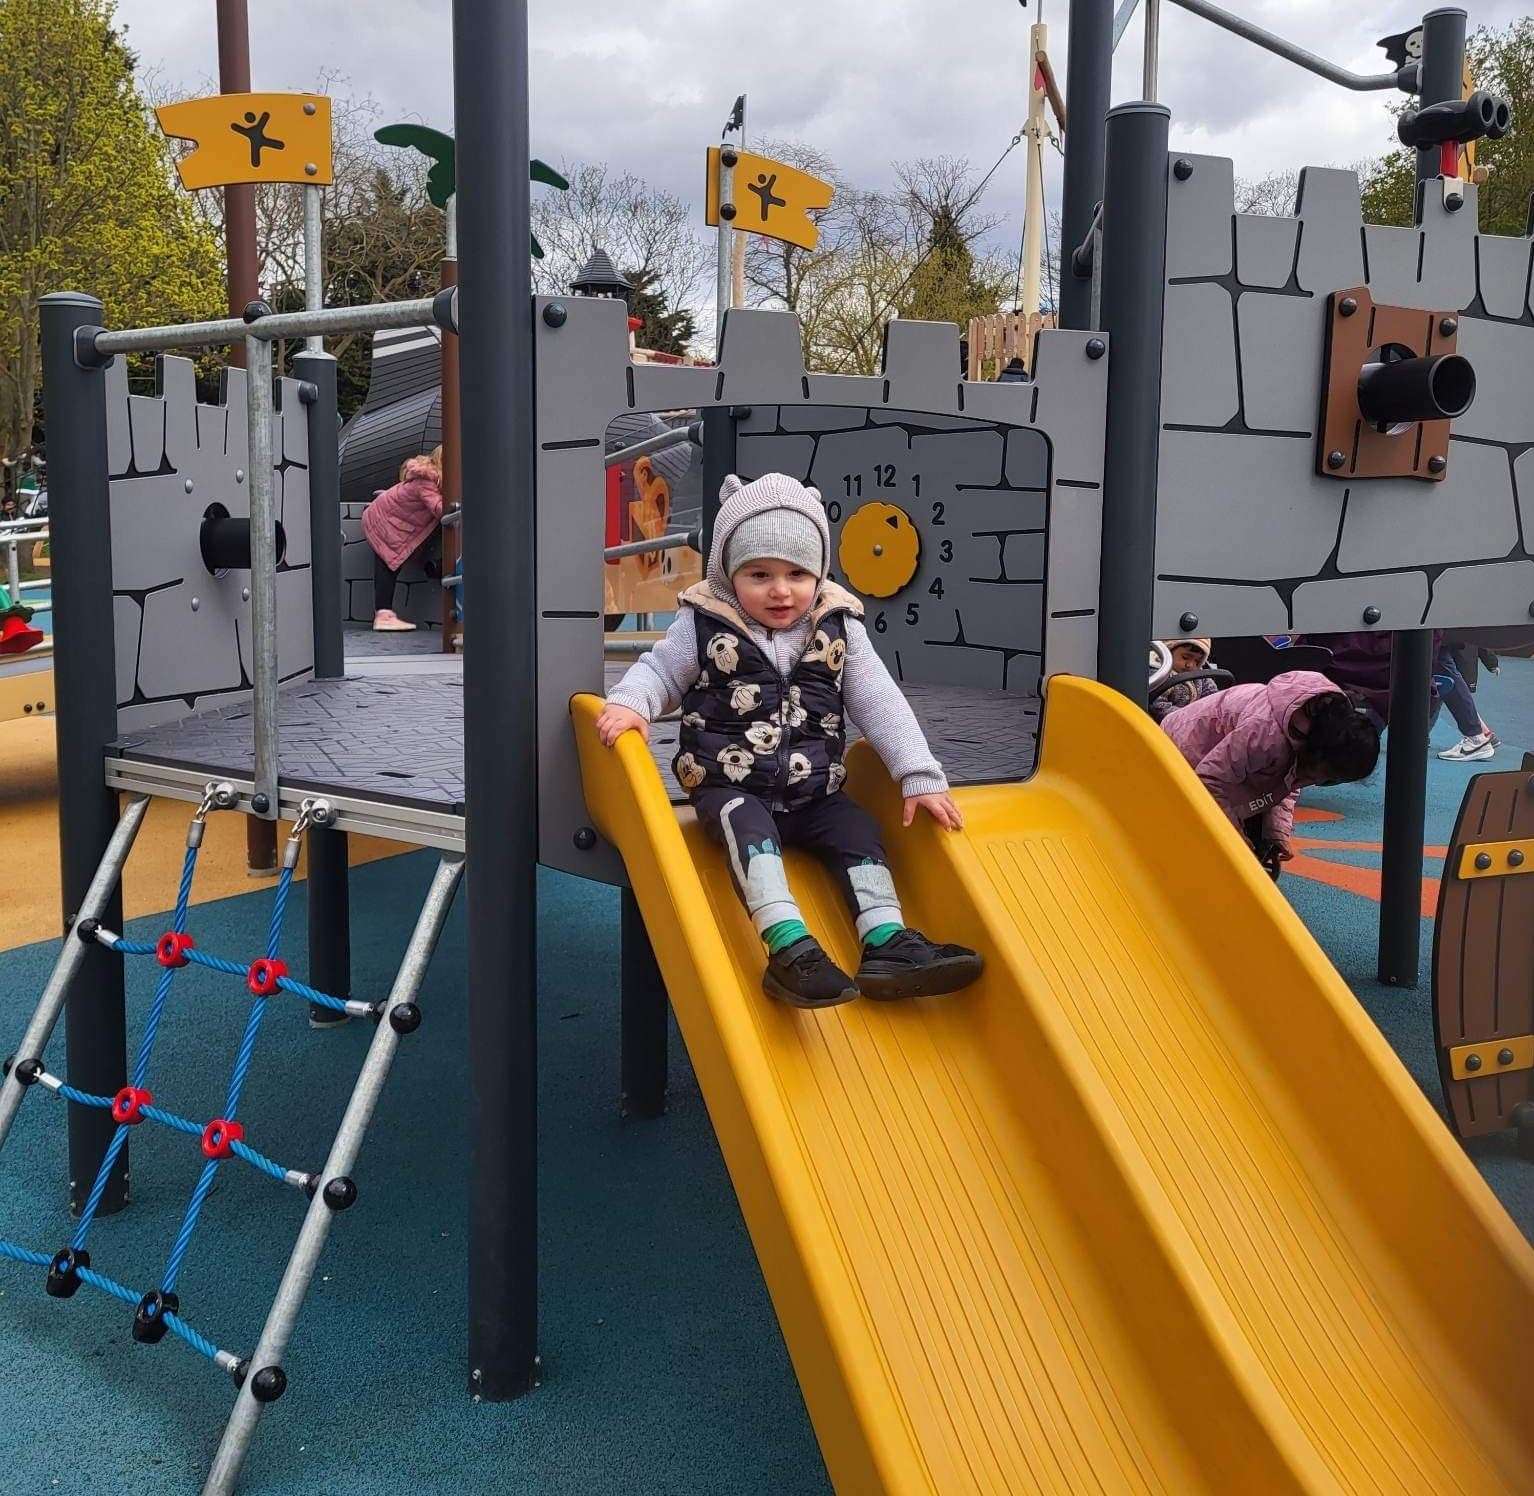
(88, 199)
(664, 330)
(1502, 61)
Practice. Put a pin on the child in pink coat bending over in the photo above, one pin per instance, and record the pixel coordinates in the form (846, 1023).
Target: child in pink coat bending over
(398, 523)
(1255, 747)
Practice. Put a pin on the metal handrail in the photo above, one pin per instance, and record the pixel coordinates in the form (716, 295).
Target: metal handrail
(692, 432)
(673, 542)
(1404, 79)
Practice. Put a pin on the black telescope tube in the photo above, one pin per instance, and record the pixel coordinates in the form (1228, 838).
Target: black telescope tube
(1416, 389)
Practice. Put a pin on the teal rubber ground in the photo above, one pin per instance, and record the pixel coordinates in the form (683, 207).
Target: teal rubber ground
(664, 1368)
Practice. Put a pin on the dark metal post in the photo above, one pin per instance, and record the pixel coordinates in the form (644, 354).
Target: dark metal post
(242, 278)
(644, 1019)
(1411, 657)
(330, 947)
(85, 686)
(1088, 80)
(452, 465)
(500, 673)
(1133, 301)
(718, 464)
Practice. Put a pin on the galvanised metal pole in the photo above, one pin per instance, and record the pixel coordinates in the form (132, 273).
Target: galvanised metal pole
(452, 464)
(1411, 655)
(1133, 270)
(330, 951)
(500, 673)
(85, 683)
(1088, 77)
(314, 258)
(263, 577)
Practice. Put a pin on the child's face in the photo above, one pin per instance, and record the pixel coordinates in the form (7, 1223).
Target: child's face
(775, 594)
(1187, 657)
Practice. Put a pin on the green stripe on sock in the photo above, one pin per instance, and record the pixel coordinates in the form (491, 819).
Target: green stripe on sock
(782, 934)
(881, 933)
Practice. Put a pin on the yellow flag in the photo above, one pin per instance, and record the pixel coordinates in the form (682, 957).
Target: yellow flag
(769, 197)
(252, 137)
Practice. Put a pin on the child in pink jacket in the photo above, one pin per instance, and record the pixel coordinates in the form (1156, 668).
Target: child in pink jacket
(398, 523)
(1255, 748)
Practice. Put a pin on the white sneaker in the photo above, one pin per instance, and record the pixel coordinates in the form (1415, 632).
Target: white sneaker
(387, 621)
(1482, 745)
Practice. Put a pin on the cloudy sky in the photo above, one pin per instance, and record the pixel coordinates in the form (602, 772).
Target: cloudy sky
(646, 87)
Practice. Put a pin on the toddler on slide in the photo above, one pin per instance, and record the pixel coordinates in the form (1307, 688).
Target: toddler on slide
(768, 662)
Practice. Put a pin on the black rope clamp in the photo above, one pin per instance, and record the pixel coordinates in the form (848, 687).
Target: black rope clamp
(149, 1327)
(64, 1272)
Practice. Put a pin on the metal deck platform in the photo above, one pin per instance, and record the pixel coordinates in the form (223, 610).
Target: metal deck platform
(387, 751)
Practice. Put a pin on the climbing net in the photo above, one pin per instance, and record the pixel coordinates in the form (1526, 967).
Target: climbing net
(157, 1312)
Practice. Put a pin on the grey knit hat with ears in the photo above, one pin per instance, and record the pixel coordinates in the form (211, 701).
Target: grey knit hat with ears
(773, 517)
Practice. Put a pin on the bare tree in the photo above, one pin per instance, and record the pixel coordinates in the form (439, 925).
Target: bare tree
(641, 227)
(1273, 196)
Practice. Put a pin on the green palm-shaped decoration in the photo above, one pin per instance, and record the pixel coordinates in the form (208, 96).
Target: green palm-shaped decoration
(442, 179)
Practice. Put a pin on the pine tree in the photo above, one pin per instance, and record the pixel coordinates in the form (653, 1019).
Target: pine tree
(663, 330)
(88, 198)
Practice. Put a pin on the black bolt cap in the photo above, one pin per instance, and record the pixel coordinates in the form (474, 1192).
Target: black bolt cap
(1483, 860)
(727, 212)
(1348, 305)
(1335, 459)
(1453, 203)
(256, 310)
(28, 1071)
(1515, 858)
(1472, 1062)
(555, 314)
(1371, 614)
(1188, 622)
(340, 1193)
(269, 1384)
(1437, 463)
(1504, 1057)
(149, 1327)
(64, 1272)
(585, 839)
(260, 803)
(405, 1018)
(1448, 326)
(1096, 348)
(1182, 169)
(86, 930)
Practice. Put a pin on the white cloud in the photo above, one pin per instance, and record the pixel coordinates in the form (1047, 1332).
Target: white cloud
(869, 81)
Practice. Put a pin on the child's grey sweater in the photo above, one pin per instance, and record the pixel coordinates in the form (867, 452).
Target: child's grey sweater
(659, 680)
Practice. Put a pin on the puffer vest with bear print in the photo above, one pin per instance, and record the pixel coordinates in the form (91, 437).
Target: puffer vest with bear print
(748, 728)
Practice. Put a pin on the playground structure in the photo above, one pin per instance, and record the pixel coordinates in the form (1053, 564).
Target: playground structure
(1144, 1208)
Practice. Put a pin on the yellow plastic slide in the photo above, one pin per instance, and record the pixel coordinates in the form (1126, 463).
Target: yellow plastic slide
(1151, 1207)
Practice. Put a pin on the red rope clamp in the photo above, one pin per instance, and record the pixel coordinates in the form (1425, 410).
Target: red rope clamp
(172, 946)
(264, 974)
(129, 1103)
(219, 1138)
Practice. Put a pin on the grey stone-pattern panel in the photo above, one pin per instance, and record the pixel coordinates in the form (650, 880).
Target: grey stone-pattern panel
(1265, 249)
(1249, 537)
(178, 626)
(1400, 596)
(1467, 517)
(1198, 367)
(1505, 588)
(941, 624)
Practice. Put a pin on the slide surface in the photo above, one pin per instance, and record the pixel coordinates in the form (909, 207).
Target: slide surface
(1151, 1207)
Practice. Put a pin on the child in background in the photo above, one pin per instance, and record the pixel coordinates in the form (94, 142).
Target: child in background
(398, 523)
(1188, 653)
(1255, 747)
(768, 662)
(1477, 740)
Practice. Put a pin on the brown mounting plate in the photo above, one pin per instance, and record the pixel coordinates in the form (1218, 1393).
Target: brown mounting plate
(1367, 452)
(1483, 962)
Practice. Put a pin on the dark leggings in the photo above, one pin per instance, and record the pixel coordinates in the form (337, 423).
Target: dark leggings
(384, 578)
(1453, 693)
(836, 829)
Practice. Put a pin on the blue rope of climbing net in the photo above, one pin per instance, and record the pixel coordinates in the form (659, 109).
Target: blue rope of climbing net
(220, 1137)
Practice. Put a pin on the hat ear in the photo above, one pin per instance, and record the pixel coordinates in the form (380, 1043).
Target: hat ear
(731, 486)
(814, 493)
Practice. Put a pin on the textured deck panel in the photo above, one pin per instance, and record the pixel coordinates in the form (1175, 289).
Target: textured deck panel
(360, 642)
(1153, 1206)
(398, 739)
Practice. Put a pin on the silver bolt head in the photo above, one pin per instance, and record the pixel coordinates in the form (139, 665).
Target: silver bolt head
(239, 475)
(196, 603)
(310, 107)
(878, 550)
(188, 485)
(244, 594)
(310, 169)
